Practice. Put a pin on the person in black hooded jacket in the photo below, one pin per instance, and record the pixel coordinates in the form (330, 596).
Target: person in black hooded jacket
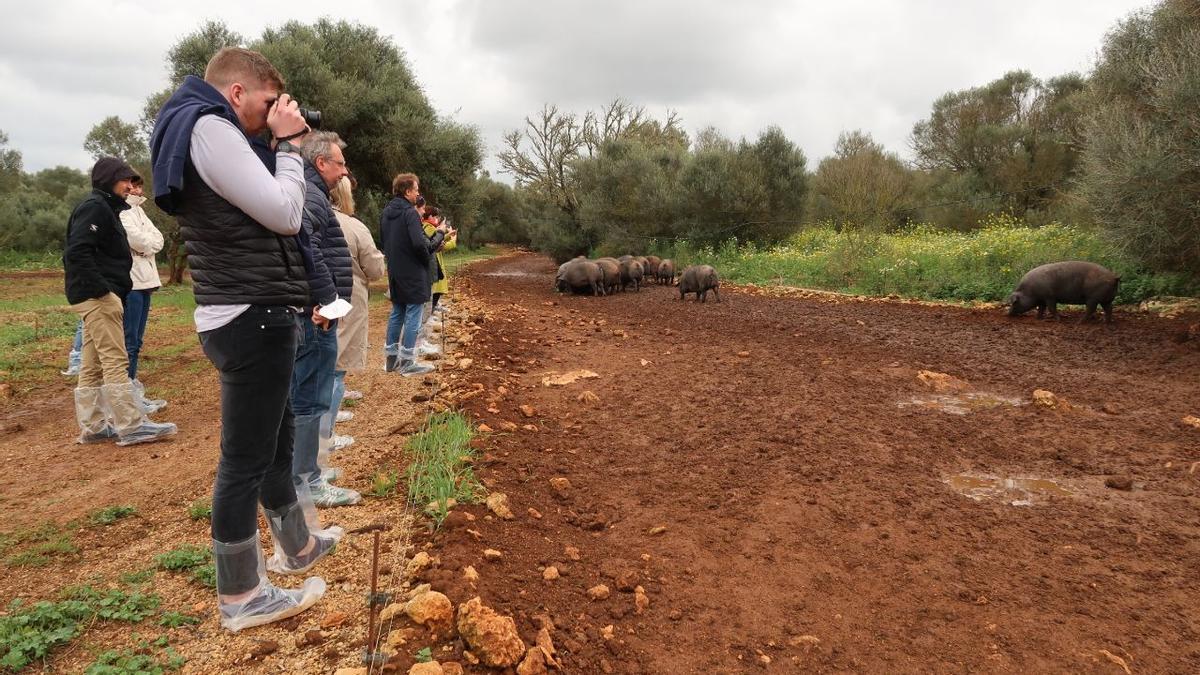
(96, 262)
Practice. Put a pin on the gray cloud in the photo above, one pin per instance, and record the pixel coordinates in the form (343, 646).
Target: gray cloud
(812, 69)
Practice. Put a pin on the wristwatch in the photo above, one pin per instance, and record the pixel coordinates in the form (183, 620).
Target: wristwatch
(286, 146)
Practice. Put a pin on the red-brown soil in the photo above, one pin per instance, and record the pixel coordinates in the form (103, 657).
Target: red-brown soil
(798, 465)
(800, 498)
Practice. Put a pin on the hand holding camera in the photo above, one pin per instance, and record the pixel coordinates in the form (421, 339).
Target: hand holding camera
(285, 119)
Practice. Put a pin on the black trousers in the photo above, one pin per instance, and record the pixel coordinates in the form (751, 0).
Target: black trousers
(254, 354)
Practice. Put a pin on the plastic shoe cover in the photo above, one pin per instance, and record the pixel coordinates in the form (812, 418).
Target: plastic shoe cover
(391, 363)
(291, 528)
(352, 395)
(411, 368)
(149, 405)
(242, 573)
(148, 432)
(325, 495)
(343, 416)
(330, 474)
(92, 414)
(71, 371)
(427, 348)
(342, 442)
(106, 434)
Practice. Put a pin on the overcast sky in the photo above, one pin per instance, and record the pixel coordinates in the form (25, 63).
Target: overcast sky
(813, 68)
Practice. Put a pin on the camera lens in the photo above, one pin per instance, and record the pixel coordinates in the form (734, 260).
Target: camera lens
(311, 117)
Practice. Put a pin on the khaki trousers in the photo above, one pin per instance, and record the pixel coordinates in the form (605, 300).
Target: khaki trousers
(104, 360)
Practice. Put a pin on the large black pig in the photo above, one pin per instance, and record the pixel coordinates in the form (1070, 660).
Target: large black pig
(699, 279)
(1073, 282)
(580, 276)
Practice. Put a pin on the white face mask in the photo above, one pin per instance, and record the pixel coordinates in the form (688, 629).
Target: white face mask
(135, 200)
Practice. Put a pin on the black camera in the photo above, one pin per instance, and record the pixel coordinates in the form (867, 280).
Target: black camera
(311, 117)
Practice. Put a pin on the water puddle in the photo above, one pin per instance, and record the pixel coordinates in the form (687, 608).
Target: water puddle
(1016, 491)
(961, 404)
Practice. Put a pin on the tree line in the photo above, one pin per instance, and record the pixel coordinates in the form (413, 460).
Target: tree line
(1115, 150)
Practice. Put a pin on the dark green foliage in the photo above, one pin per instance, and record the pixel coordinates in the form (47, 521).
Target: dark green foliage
(183, 557)
(28, 634)
(1141, 176)
(141, 660)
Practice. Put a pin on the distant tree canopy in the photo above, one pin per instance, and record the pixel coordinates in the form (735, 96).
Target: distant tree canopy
(1141, 161)
(615, 179)
(34, 207)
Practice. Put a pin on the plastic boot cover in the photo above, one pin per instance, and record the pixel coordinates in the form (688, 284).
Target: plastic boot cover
(330, 474)
(341, 442)
(149, 405)
(410, 368)
(427, 348)
(352, 395)
(132, 424)
(390, 363)
(91, 414)
(242, 574)
(291, 528)
(343, 416)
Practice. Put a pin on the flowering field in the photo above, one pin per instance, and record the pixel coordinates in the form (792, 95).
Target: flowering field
(922, 262)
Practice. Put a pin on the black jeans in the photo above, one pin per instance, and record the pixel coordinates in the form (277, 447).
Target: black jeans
(254, 354)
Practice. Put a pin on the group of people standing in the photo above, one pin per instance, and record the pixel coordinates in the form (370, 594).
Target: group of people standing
(280, 268)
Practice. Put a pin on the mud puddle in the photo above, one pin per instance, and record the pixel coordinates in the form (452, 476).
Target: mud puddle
(962, 404)
(1016, 491)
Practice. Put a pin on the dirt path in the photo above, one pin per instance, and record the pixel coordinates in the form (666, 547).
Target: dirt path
(796, 462)
(800, 469)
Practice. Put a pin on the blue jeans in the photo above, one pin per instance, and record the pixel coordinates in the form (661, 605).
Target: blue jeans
(76, 356)
(312, 393)
(330, 416)
(404, 325)
(137, 312)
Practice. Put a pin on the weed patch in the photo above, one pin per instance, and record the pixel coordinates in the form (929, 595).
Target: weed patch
(111, 514)
(200, 510)
(141, 660)
(184, 557)
(441, 470)
(30, 633)
(383, 483)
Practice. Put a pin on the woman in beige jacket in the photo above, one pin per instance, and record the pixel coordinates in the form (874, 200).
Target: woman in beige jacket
(144, 242)
(368, 265)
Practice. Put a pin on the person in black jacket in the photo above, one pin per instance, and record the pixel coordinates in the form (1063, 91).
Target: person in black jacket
(96, 262)
(408, 252)
(332, 277)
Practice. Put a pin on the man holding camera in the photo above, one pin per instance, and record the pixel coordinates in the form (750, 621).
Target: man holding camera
(330, 278)
(239, 210)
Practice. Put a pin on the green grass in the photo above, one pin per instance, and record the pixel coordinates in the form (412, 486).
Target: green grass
(383, 483)
(176, 619)
(111, 514)
(38, 545)
(924, 263)
(141, 660)
(195, 560)
(441, 467)
(462, 256)
(24, 261)
(183, 557)
(200, 510)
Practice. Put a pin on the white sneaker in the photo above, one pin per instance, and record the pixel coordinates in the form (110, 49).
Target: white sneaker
(427, 348)
(343, 416)
(326, 495)
(342, 442)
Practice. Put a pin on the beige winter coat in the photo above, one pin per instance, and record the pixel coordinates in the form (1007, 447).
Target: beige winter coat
(369, 265)
(144, 241)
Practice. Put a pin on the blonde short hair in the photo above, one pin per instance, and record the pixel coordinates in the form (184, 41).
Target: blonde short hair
(342, 196)
(235, 64)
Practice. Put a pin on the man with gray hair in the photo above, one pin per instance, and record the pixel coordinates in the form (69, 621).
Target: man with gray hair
(330, 277)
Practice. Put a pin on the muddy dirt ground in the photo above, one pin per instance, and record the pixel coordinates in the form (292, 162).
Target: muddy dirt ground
(774, 473)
